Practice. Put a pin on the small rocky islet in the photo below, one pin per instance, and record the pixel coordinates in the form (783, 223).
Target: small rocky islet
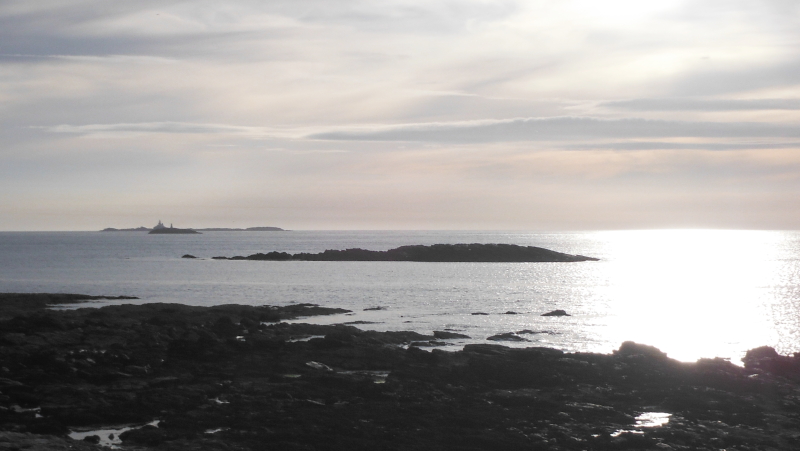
(435, 253)
(236, 377)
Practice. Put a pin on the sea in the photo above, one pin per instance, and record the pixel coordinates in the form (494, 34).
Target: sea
(691, 293)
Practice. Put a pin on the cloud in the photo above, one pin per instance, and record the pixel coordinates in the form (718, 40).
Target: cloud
(577, 133)
(656, 145)
(323, 104)
(154, 127)
(746, 75)
(693, 104)
(171, 128)
(560, 128)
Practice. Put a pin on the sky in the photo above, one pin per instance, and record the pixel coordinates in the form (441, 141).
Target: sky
(400, 114)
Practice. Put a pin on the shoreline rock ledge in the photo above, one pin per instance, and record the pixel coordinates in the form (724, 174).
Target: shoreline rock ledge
(240, 378)
(475, 252)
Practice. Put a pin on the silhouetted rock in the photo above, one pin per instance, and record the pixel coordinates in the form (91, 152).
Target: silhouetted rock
(188, 256)
(479, 313)
(767, 359)
(556, 313)
(630, 348)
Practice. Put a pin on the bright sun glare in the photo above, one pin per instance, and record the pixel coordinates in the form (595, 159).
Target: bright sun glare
(692, 292)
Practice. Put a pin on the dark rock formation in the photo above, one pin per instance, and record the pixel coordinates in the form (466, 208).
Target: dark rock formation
(535, 332)
(767, 359)
(17, 304)
(434, 253)
(508, 336)
(443, 335)
(188, 256)
(223, 378)
(137, 229)
(556, 313)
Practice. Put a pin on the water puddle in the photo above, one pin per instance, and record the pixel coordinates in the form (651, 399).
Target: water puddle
(645, 420)
(295, 340)
(108, 437)
(652, 419)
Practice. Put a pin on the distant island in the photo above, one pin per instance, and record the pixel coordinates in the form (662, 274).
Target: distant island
(160, 228)
(435, 253)
(249, 229)
(137, 229)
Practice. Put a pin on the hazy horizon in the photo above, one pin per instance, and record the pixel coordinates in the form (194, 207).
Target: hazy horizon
(523, 231)
(400, 114)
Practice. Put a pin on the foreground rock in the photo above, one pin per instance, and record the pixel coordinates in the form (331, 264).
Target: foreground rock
(434, 253)
(233, 378)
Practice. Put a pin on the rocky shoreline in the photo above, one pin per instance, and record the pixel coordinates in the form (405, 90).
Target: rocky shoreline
(238, 377)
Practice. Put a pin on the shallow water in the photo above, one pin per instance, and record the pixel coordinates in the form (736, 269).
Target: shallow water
(692, 293)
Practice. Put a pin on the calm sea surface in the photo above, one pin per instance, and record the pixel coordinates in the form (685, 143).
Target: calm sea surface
(691, 293)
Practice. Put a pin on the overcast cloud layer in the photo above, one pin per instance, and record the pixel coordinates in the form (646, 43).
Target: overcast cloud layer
(482, 114)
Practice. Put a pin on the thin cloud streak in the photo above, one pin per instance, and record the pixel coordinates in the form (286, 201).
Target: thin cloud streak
(170, 128)
(561, 128)
(569, 130)
(689, 104)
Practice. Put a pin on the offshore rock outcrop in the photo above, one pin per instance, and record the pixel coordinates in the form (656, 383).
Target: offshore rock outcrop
(434, 253)
(235, 378)
(556, 313)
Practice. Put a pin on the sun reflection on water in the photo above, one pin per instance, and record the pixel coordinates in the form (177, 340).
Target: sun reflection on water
(692, 293)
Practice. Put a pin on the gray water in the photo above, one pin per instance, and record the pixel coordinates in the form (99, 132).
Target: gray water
(692, 293)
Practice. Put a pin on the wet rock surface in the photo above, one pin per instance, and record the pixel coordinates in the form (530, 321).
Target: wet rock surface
(236, 378)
